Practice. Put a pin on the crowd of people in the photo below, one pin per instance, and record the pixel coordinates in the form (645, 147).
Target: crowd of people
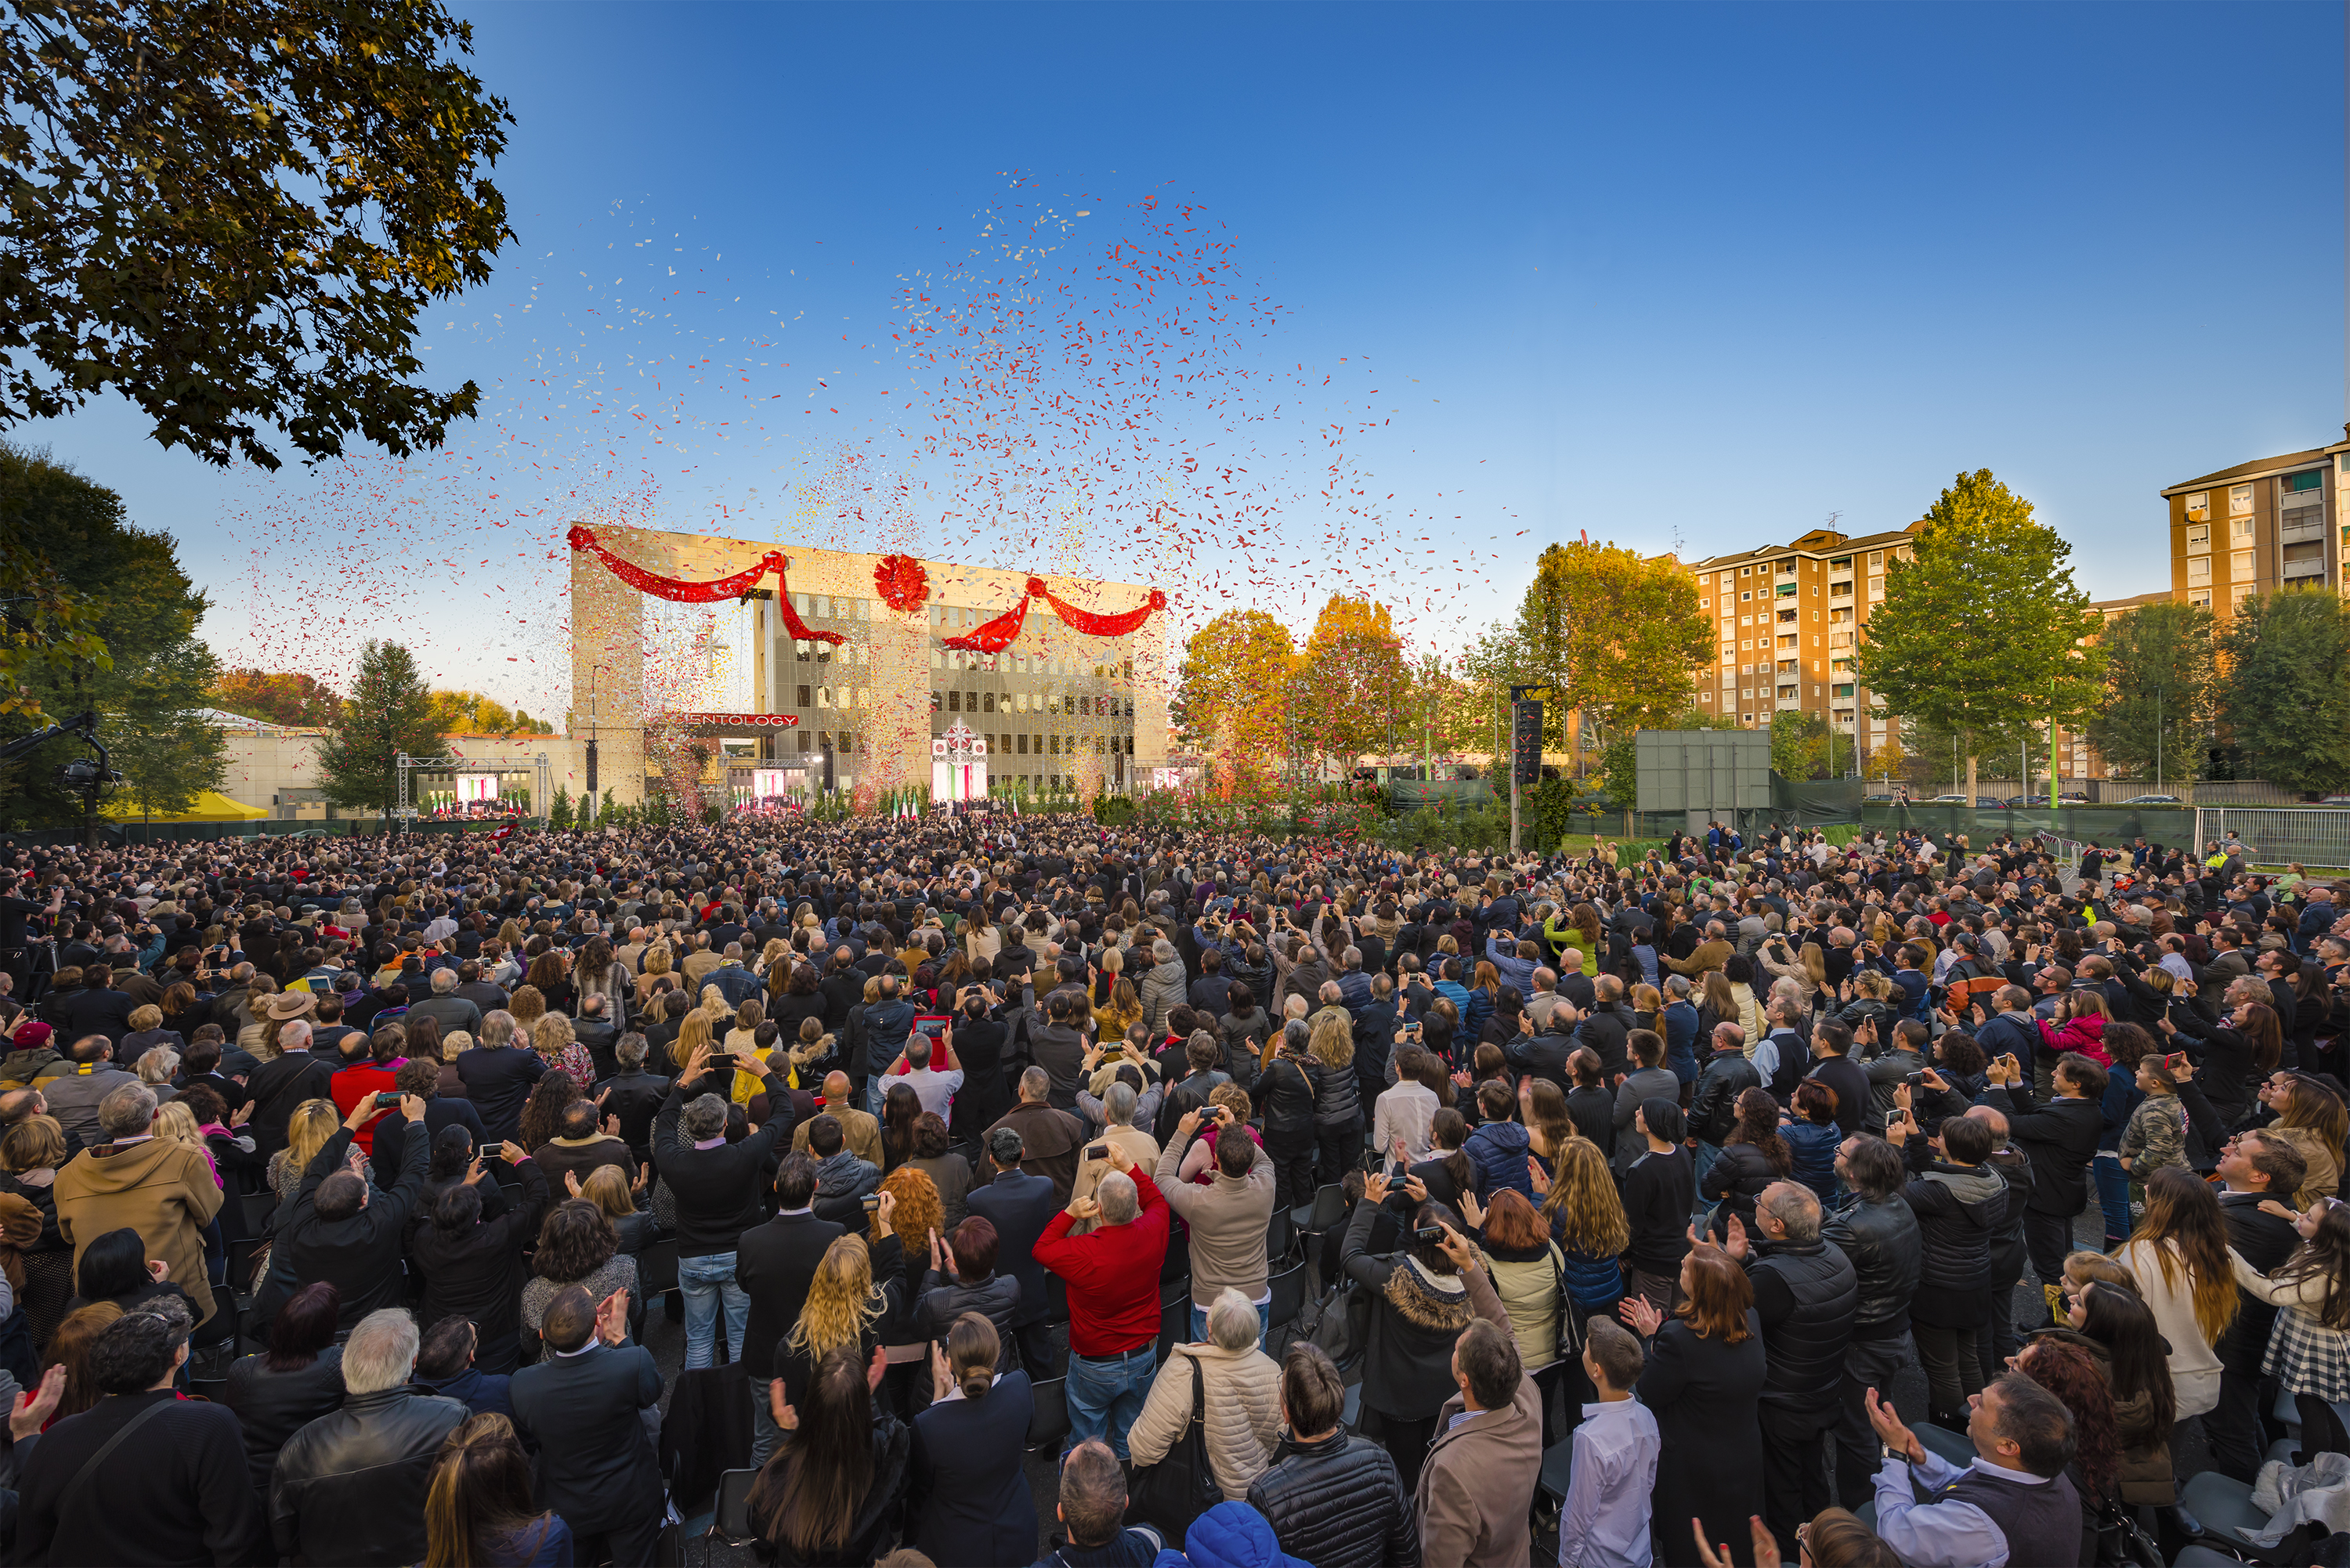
(1308, 1201)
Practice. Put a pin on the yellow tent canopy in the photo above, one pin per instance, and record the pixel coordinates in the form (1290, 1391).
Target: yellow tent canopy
(210, 805)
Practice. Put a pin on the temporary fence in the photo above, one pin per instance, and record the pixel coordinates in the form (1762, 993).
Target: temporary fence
(2310, 836)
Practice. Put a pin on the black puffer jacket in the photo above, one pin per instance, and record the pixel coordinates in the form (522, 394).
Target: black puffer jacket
(1338, 1503)
(1886, 1247)
(1736, 1180)
(1713, 1106)
(1337, 1097)
(350, 1487)
(1961, 1207)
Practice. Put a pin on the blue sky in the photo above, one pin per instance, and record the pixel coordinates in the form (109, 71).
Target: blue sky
(1683, 277)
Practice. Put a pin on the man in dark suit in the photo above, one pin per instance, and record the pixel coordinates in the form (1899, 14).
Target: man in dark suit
(1020, 1207)
(97, 1009)
(2254, 1168)
(633, 1094)
(773, 1264)
(499, 1073)
(581, 1405)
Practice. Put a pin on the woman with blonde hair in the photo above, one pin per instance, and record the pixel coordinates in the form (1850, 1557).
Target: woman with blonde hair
(1337, 1099)
(694, 1034)
(306, 1132)
(607, 1187)
(847, 1299)
(552, 1037)
(657, 963)
(1122, 1011)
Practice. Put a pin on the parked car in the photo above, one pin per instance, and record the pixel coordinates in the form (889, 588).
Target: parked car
(2154, 800)
(1990, 803)
(1948, 800)
(2335, 800)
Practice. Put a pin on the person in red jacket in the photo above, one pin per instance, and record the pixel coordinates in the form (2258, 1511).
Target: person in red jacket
(1113, 1277)
(371, 1067)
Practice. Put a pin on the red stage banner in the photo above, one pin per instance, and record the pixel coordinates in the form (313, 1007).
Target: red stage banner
(997, 635)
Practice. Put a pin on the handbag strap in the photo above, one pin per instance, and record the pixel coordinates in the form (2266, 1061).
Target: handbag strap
(1199, 1396)
(83, 1476)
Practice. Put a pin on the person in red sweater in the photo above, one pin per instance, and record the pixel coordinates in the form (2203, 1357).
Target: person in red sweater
(1113, 1277)
(372, 1067)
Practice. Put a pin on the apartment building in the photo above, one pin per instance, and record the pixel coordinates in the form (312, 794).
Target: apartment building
(2277, 521)
(1788, 619)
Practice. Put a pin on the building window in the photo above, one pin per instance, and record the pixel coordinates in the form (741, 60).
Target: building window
(2239, 564)
(2240, 501)
(824, 696)
(1876, 587)
(804, 743)
(1876, 559)
(2199, 570)
(2198, 506)
(2239, 530)
(804, 697)
(1024, 745)
(2198, 535)
(954, 702)
(2203, 598)
(2238, 595)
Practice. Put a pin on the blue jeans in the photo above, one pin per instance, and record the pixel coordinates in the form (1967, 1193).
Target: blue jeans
(2113, 1193)
(1706, 1153)
(704, 1282)
(1263, 1323)
(1106, 1395)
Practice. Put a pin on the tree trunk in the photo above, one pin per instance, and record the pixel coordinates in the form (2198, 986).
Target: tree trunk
(1971, 780)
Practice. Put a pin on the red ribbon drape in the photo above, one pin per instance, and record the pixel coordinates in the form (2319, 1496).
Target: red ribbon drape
(1094, 625)
(677, 590)
(997, 635)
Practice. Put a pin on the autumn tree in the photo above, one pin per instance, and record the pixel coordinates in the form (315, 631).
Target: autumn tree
(1616, 634)
(2158, 683)
(1230, 694)
(1352, 685)
(232, 217)
(1981, 634)
(390, 711)
(472, 714)
(291, 699)
(2285, 698)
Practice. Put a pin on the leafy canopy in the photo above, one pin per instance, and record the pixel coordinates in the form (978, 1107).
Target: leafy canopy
(2287, 694)
(1980, 635)
(136, 660)
(293, 699)
(390, 711)
(2158, 690)
(231, 214)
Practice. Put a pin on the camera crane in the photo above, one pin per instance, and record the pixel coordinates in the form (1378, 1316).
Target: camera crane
(83, 775)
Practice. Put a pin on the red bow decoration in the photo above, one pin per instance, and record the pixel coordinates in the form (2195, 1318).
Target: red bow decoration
(997, 635)
(677, 590)
(901, 583)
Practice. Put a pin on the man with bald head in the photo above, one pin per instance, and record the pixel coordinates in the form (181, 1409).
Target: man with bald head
(860, 1130)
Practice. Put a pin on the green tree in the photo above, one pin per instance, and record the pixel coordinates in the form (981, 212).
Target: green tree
(390, 711)
(558, 814)
(150, 673)
(231, 216)
(2285, 698)
(47, 626)
(1981, 635)
(1799, 744)
(2158, 683)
